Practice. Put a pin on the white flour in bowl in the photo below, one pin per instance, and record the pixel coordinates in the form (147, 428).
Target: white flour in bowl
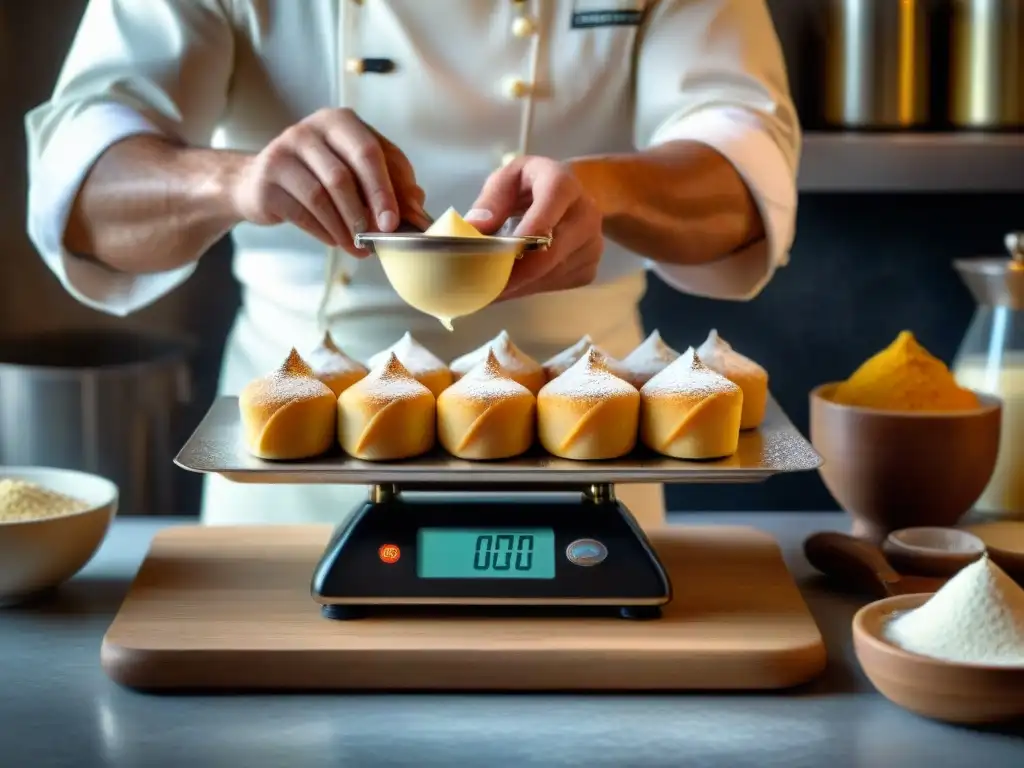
(976, 618)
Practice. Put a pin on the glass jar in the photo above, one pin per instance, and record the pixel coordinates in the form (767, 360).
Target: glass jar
(991, 360)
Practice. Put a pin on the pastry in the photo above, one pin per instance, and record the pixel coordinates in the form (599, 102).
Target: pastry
(288, 414)
(718, 355)
(649, 358)
(486, 414)
(690, 412)
(426, 367)
(568, 357)
(386, 415)
(516, 364)
(588, 412)
(333, 367)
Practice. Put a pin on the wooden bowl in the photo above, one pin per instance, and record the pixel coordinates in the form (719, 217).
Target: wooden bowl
(36, 555)
(892, 469)
(930, 551)
(968, 694)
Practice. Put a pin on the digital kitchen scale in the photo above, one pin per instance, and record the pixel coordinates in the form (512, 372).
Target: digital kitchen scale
(586, 553)
(526, 552)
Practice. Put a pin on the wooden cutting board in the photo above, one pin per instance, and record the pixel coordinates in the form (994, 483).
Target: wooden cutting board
(228, 608)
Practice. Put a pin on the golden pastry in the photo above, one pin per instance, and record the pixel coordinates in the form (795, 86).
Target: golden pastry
(690, 412)
(288, 414)
(718, 355)
(333, 367)
(649, 358)
(426, 367)
(387, 415)
(486, 414)
(513, 361)
(588, 412)
(568, 357)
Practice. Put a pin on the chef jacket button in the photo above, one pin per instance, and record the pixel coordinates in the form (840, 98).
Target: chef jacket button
(369, 66)
(523, 26)
(516, 88)
(508, 157)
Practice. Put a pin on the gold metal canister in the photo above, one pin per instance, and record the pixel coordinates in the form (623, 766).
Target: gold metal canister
(876, 63)
(987, 64)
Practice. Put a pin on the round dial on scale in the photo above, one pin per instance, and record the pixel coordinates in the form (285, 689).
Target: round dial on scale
(586, 552)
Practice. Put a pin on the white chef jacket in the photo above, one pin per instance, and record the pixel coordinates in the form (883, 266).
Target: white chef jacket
(473, 83)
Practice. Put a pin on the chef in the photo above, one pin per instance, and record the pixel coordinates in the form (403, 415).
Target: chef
(655, 134)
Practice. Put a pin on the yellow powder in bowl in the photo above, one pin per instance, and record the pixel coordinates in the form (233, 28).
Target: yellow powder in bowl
(904, 377)
(27, 501)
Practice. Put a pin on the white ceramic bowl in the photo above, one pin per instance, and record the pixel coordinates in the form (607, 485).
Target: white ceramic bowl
(36, 555)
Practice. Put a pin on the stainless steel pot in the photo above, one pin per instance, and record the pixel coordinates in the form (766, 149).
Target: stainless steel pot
(877, 58)
(100, 401)
(987, 64)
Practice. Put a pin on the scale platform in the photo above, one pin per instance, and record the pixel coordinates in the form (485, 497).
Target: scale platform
(775, 447)
(229, 609)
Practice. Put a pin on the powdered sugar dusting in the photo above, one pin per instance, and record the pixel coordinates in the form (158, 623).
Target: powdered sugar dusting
(718, 355)
(688, 376)
(415, 358)
(650, 357)
(294, 380)
(512, 359)
(568, 357)
(387, 382)
(488, 382)
(589, 379)
(328, 359)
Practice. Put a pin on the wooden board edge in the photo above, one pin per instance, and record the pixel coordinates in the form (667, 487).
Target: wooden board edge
(147, 671)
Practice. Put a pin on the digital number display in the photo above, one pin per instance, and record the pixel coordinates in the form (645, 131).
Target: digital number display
(497, 553)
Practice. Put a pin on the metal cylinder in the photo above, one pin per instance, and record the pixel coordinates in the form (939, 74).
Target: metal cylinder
(987, 64)
(98, 401)
(876, 63)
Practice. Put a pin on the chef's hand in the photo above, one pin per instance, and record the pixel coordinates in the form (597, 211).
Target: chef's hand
(551, 201)
(333, 176)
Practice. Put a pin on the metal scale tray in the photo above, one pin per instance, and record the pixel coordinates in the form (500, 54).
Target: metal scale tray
(216, 447)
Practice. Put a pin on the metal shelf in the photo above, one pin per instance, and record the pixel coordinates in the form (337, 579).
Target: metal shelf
(912, 162)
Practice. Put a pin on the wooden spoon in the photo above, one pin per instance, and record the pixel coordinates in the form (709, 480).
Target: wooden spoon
(862, 565)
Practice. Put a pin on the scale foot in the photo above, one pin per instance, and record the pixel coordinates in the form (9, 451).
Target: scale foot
(640, 612)
(343, 612)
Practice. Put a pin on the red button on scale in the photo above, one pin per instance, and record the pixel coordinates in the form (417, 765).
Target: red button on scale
(389, 553)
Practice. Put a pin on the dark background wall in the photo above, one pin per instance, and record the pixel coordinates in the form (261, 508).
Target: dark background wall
(863, 268)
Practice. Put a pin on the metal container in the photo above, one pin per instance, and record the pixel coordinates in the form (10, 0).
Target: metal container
(877, 56)
(99, 401)
(987, 64)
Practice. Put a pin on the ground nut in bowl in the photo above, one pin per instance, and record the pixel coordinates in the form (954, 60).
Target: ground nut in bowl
(52, 521)
(902, 445)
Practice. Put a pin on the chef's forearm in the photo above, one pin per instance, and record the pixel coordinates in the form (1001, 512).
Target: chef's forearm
(678, 203)
(148, 205)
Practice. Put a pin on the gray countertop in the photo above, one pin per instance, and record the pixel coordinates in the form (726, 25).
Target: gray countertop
(58, 708)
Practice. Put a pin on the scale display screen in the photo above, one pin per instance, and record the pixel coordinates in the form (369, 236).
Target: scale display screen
(494, 553)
